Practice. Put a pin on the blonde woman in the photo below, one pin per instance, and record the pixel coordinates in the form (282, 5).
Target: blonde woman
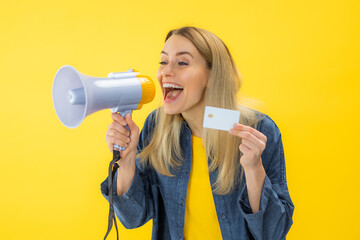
(198, 183)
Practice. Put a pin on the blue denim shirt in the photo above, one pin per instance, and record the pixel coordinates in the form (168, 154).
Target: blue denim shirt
(162, 198)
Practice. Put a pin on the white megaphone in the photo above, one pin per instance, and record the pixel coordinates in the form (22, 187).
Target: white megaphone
(76, 95)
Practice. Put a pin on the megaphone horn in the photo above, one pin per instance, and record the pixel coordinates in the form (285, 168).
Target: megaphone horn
(75, 95)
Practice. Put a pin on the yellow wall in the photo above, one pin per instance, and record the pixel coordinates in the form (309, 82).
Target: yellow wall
(299, 58)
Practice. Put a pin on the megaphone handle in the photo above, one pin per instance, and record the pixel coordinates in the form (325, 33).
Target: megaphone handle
(123, 114)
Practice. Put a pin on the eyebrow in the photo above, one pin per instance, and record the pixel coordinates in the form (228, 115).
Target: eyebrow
(179, 53)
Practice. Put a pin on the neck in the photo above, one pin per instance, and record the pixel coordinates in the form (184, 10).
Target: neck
(194, 118)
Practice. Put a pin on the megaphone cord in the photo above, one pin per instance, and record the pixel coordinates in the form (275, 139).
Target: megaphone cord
(113, 166)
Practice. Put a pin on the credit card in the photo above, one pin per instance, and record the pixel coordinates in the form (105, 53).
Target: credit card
(220, 118)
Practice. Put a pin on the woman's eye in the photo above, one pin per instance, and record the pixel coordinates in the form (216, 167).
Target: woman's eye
(180, 63)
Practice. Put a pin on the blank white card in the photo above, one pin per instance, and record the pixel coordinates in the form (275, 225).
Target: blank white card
(220, 118)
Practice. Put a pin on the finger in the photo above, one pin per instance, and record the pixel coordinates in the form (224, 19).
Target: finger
(113, 140)
(115, 126)
(256, 133)
(131, 124)
(244, 149)
(118, 118)
(110, 145)
(249, 136)
(119, 136)
(249, 144)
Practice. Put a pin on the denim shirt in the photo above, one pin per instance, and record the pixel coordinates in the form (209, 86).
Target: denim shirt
(162, 198)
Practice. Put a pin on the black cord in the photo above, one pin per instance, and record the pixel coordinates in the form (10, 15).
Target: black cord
(113, 166)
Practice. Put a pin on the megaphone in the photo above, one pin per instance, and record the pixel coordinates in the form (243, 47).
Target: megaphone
(75, 95)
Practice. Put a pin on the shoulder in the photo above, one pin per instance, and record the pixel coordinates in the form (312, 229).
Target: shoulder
(273, 155)
(261, 122)
(150, 121)
(147, 130)
(268, 127)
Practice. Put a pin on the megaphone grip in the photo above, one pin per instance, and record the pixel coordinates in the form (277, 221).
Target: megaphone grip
(123, 114)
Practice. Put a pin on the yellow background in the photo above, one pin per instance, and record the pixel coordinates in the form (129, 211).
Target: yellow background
(300, 59)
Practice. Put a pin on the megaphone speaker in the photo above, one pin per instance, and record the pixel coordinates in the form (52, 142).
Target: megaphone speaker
(75, 95)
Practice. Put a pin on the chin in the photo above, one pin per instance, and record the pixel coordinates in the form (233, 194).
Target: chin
(170, 111)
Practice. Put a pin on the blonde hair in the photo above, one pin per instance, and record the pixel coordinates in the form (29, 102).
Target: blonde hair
(221, 147)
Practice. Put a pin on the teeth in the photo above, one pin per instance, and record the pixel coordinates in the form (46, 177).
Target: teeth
(170, 85)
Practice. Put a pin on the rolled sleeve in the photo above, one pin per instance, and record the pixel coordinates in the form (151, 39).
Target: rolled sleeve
(274, 218)
(244, 199)
(132, 208)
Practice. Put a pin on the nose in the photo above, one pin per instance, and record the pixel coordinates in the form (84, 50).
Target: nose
(167, 70)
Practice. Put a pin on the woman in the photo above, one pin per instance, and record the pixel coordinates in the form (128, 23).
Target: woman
(193, 182)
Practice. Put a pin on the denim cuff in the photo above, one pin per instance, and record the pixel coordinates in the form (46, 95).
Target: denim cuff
(255, 220)
(245, 206)
(129, 205)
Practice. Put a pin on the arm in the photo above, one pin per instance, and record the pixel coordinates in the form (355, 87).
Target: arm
(133, 201)
(253, 143)
(264, 200)
(254, 183)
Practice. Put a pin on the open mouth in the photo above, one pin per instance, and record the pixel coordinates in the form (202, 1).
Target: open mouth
(171, 91)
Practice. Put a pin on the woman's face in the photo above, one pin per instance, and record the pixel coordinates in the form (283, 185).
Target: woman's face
(183, 76)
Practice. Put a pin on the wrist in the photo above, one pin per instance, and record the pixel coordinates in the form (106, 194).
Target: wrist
(254, 170)
(127, 158)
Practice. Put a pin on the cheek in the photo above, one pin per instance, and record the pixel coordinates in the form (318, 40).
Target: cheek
(197, 86)
(200, 80)
(205, 77)
(159, 78)
(158, 75)
(194, 77)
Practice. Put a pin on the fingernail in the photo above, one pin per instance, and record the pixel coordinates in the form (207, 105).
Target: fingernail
(128, 140)
(123, 122)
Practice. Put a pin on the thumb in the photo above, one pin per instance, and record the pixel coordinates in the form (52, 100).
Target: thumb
(132, 125)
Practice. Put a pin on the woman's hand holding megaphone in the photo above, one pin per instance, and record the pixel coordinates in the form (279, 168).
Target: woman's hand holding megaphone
(118, 134)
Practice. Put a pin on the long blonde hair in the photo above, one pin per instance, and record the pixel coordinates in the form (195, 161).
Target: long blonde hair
(221, 147)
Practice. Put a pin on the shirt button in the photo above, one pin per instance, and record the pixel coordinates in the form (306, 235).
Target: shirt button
(187, 170)
(223, 216)
(182, 202)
